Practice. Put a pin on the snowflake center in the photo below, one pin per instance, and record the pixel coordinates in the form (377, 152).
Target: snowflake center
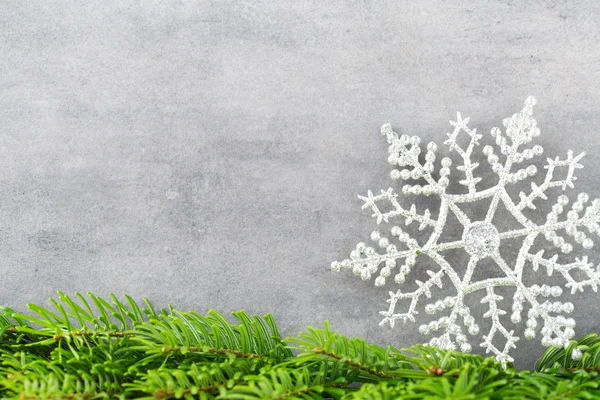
(481, 239)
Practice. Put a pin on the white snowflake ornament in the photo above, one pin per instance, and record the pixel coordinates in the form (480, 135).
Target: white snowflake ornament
(480, 239)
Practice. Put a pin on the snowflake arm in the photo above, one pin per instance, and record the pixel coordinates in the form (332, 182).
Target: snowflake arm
(582, 264)
(458, 308)
(494, 312)
(404, 152)
(552, 325)
(397, 210)
(539, 191)
(461, 125)
(424, 289)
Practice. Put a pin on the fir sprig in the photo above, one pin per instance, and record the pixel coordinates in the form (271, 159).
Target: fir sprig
(95, 348)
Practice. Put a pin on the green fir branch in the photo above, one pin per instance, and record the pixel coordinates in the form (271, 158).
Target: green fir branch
(365, 362)
(95, 348)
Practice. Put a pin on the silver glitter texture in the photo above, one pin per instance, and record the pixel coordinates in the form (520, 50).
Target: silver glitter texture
(400, 252)
(481, 239)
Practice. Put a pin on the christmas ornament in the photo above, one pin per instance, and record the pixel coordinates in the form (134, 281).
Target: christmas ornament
(481, 239)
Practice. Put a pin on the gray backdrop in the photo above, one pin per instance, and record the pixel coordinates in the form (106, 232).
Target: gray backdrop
(208, 154)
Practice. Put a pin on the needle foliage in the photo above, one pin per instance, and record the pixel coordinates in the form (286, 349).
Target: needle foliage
(88, 347)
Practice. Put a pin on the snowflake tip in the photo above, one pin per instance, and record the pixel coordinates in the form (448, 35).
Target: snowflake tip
(386, 129)
(387, 320)
(530, 101)
(577, 158)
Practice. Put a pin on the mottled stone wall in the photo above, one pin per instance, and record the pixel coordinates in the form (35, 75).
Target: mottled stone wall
(209, 154)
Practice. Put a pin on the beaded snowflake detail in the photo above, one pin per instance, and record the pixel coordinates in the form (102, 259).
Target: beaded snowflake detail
(481, 239)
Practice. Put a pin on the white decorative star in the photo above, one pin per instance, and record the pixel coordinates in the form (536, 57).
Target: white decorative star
(480, 239)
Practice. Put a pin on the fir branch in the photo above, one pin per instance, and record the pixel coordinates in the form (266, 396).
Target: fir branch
(278, 384)
(365, 361)
(176, 354)
(193, 379)
(581, 354)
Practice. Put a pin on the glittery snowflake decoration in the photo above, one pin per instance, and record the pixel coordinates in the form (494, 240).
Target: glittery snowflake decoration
(481, 239)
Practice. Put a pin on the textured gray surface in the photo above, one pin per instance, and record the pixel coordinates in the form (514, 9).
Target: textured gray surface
(209, 154)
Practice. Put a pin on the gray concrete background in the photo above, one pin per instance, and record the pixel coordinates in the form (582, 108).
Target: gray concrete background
(208, 154)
